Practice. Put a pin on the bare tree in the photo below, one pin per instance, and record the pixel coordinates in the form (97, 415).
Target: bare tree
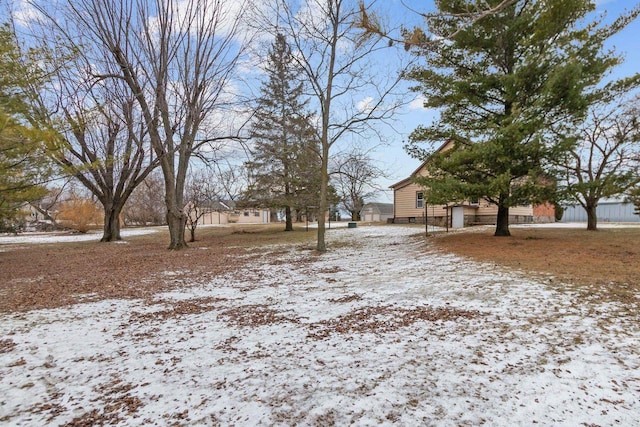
(202, 191)
(146, 205)
(355, 176)
(339, 66)
(47, 205)
(177, 59)
(232, 180)
(103, 145)
(606, 162)
(96, 132)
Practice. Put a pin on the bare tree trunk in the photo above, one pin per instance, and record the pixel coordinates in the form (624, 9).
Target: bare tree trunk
(324, 186)
(176, 219)
(354, 216)
(502, 222)
(592, 218)
(288, 219)
(111, 230)
(177, 225)
(177, 222)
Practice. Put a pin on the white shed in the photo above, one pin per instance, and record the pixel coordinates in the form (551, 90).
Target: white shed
(376, 212)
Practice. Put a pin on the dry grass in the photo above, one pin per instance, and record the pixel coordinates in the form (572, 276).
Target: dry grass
(54, 275)
(605, 261)
(254, 235)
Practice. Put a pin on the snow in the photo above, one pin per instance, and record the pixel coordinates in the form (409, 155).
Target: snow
(66, 237)
(282, 343)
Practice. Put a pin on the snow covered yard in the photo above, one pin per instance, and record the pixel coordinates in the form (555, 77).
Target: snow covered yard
(381, 330)
(65, 237)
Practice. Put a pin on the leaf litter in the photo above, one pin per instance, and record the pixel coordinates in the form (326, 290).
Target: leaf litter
(393, 333)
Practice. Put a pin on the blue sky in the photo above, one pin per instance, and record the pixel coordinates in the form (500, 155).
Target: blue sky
(399, 164)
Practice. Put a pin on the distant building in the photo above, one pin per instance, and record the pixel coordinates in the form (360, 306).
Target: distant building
(376, 212)
(227, 212)
(608, 210)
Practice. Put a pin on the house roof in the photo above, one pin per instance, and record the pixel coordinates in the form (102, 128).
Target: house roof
(221, 205)
(408, 180)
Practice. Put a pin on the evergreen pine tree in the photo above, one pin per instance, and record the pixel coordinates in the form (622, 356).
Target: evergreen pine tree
(23, 164)
(285, 165)
(509, 88)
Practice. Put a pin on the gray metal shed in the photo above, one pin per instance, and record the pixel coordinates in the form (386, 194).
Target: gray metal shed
(608, 210)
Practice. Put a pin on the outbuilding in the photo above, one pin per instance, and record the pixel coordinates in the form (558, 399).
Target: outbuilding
(608, 210)
(376, 212)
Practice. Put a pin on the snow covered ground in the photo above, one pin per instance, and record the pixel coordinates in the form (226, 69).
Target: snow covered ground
(381, 330)
(65, 236)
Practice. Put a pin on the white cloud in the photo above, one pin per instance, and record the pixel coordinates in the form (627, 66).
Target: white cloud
(418, 103)
(25, 13)
(366, 104)
(221, 17)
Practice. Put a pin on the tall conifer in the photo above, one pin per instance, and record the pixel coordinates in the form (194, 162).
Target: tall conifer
(285, 164)
(509, 87)
(24, 166)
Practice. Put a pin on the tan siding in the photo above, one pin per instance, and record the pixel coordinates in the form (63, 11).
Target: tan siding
(447, 146)
(436, 211)
(470, 210)
(486, 208)
(406, 201)
(232, 217)
(423, 172)
(210, 218)
(252, 218)
(521, 210)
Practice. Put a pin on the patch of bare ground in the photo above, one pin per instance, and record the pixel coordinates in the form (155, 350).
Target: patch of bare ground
(7, 345)
(346, 299)
(179, 308)
(384, 319)
(56, 275)
(602, 264)
(117, 404)
(255, 315)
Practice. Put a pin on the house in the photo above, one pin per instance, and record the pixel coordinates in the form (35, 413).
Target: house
(227, 212)
(28, 218)
(376, 212)
(608, 210)
(409, 206)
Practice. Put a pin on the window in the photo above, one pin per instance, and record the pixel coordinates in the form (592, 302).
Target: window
(474, 202)
(256, 213)
(246, 213)
(419, 200)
